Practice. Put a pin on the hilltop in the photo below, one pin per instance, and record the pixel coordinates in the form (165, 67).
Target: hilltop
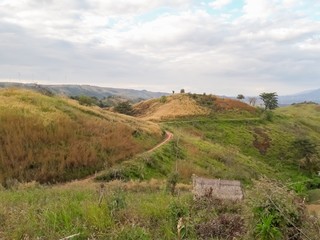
(49, 139)
(188, 105)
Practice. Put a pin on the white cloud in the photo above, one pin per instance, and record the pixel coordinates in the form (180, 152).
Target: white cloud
(259, 9)
(133, 43)
(218, 4)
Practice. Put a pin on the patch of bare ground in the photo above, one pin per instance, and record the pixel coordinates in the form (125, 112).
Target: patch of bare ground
(261, 140)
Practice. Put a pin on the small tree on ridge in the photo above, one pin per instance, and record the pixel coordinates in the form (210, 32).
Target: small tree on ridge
(270, 100)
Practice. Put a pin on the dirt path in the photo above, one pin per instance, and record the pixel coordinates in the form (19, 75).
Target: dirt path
(90, 178)
(169, 136)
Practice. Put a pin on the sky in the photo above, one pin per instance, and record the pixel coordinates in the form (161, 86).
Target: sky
(224, 47)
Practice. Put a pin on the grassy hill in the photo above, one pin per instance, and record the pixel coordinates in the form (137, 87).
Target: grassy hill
(223, 139)
(51, 139)
(234, 145)
(188, 105)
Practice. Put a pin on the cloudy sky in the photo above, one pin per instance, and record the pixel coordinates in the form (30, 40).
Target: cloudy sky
(213, 46)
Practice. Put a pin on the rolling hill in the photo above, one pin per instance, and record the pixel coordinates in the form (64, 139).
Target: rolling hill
(50, 139)
(213, 137)
(188, 105)
(92, 91)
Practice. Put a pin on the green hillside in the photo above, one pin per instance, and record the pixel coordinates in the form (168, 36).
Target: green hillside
(231, 145)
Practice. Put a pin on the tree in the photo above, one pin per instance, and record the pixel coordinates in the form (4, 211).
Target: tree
(87, 101)
(270, 100)
(182, 91)
(252, 101)
(124, 108)
(240, 96)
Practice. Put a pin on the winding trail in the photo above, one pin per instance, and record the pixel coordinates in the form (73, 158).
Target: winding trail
(90, 178)
(169, 136)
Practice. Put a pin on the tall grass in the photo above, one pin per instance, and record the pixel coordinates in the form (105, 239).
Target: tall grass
(50, 139)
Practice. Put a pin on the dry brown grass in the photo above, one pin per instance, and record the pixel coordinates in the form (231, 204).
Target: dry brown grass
(230, 104)
(51, 139)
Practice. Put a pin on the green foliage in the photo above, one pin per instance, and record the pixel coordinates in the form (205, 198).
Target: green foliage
(240, 96)
(266, 229)
(157, 164)
(117, 201)
(268, 115)
(163, 99)
(172, 181)
(270, 100)
(178, 209)
(86, 100)
(277, 212)
(124, 108)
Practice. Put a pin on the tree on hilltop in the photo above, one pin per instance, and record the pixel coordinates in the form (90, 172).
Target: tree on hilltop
(240, 97)
(270, 100)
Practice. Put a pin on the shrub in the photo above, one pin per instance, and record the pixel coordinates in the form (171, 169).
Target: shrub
(124, 108)
(86, 100)
(117, 201)
(163, 99)
(277, 212)
(172, 181)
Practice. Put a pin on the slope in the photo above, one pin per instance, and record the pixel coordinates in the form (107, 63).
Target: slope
(52, 139)
(188, 105)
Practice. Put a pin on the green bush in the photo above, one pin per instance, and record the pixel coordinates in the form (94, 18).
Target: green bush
(277, 212)
(124, 108)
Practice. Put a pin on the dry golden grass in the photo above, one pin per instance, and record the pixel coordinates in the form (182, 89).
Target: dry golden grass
(51, 139)
(175, 106)
(186, 105)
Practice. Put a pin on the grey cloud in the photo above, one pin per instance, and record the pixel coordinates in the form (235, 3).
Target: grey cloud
(195, 50)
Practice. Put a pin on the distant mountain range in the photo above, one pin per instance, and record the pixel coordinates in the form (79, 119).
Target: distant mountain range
(93, 91)
(130, 94)
(306, 96)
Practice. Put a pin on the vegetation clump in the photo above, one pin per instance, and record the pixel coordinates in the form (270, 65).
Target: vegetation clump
(276, 213)
(124, 108)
